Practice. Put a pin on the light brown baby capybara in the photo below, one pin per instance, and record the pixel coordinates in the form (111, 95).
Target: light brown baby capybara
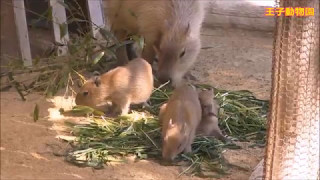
(179, 118)
(124, 85)
(210, 109)
(171, 29)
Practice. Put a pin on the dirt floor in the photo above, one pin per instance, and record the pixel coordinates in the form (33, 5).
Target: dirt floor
(231, 59)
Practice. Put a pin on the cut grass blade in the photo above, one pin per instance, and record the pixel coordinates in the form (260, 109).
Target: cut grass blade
(36, 113)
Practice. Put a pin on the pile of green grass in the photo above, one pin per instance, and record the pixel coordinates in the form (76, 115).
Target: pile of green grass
(107, 139)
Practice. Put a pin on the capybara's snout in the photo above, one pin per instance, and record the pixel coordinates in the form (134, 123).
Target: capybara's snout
(167, 156)
(164, 75)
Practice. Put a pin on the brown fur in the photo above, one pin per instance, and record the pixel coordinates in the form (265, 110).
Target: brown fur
(179, 118)
(171, 29)
(124, 85)
(210, 109)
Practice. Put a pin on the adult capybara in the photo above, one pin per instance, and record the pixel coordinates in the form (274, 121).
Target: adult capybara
(171, 29)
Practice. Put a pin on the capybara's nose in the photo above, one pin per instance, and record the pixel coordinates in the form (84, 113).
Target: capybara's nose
(166, 157)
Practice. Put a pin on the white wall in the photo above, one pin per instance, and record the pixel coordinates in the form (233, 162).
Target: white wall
(247, 14)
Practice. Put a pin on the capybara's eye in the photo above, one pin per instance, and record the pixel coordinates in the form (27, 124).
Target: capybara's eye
(85, 93)
(182, 53)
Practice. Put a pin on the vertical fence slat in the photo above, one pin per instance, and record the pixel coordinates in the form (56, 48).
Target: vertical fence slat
(22, 31)
(96, 16)
(60, 28)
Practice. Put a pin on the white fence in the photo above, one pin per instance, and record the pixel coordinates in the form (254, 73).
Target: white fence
(96, 16)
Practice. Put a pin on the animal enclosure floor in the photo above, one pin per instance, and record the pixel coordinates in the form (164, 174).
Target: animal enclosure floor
(231, 59)
(235, 59)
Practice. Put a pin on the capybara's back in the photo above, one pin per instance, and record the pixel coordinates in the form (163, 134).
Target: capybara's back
(171, 29)
(129, 15)
(140, 80)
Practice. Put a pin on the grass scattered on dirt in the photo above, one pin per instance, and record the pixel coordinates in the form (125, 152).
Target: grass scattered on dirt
(107, 139)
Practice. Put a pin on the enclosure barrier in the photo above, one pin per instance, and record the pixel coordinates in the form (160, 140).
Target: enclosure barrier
(59, 18)
(293, 128)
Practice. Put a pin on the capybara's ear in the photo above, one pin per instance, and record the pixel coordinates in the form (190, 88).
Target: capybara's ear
(79, 83)
(97, 81)
(163, 107)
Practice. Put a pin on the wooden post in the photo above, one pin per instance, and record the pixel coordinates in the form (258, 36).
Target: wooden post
(96, 16)
(60, 27)
(22, 31)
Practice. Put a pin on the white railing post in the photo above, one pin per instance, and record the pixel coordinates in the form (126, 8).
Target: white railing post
(96, 16)
(59, 19)
(22, 31)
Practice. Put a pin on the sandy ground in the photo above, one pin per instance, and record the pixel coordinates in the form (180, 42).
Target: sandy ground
(230, 59)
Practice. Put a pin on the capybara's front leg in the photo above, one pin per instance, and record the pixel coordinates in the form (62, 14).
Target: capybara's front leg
(148, 52)
(124, 105)
(122, 56)
(121, 52)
